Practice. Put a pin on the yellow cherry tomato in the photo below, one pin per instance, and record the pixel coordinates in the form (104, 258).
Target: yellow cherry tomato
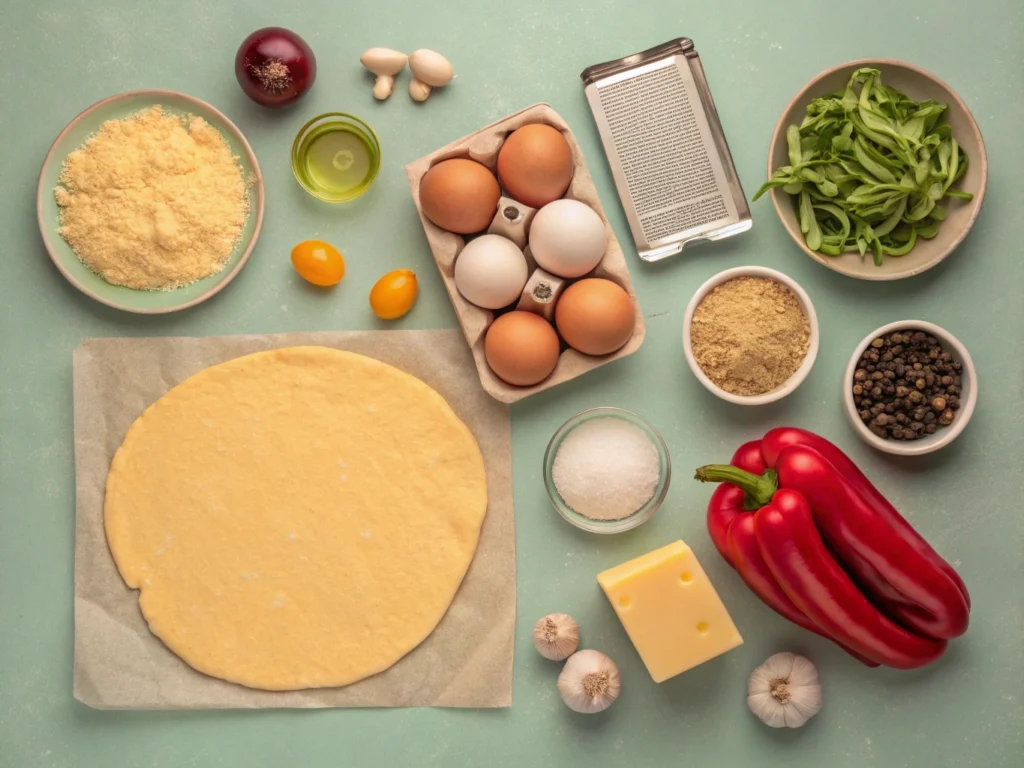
(318, 262)
(394, 294)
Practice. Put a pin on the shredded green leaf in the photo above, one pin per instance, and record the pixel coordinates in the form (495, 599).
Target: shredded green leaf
(869, 169)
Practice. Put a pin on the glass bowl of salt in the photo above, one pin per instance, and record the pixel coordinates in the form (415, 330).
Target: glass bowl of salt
(607, 470)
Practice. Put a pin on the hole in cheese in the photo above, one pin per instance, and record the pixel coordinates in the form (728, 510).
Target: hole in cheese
(702, 627)
(624, 601)
(686, 577)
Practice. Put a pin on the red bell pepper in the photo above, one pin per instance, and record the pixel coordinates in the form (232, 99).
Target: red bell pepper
(728, 502)
(817, 584)
(731, 525)
(897, 569)
(782, 437)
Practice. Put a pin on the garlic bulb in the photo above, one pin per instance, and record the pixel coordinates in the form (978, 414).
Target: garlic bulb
(556, 636)
(589, 682)
(784, 692)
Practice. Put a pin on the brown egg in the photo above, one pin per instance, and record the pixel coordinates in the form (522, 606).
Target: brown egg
(535, 165)
(521, 348)
(595, 316)
(459, 195)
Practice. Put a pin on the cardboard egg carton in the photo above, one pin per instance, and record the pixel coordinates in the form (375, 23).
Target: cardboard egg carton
(483, 147)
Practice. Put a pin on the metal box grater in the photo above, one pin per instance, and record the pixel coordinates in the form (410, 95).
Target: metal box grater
(668, 154)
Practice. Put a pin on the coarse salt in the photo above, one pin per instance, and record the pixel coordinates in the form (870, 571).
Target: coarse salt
(606, 468)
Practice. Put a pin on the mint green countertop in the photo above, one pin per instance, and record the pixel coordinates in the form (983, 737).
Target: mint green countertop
(60, 56)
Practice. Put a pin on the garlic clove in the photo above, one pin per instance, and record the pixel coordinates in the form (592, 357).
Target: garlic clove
(589, 682)
(385, 63)
(556, 636)
(784, 692)
(429, 70)
(419, 91)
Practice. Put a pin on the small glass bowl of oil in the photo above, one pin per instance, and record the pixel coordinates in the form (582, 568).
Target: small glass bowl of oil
(336, 157)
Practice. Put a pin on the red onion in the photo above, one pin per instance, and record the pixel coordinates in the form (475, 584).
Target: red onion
(275, 66)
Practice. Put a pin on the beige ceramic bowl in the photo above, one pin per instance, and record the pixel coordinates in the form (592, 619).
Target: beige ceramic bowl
(793, 381)
(918, 84)
(941, 437)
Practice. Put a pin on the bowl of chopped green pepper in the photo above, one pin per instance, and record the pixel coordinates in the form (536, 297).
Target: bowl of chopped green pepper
(877, 169)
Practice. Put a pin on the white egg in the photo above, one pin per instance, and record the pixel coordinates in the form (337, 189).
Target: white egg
(567, 238)
(491, 272)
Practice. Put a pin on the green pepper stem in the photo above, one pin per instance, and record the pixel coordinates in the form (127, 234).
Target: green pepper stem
(758, 489)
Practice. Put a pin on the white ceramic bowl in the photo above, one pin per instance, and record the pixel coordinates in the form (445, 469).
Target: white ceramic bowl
(793, 381)
(942, 437)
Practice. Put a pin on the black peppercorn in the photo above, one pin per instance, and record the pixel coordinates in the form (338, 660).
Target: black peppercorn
(906, 385)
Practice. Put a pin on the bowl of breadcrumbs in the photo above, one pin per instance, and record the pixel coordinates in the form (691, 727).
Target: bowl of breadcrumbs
(150, 201)
(750, 335)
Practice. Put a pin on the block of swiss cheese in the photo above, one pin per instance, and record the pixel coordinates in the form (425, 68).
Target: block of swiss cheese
(670, 610)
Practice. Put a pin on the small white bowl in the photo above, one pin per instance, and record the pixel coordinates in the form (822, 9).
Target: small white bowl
(793, 381)
(941, 437)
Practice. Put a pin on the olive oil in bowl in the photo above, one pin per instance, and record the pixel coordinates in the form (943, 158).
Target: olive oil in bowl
(336, 157)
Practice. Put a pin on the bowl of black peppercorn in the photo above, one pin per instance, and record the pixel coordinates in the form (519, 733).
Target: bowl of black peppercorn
(910, 388)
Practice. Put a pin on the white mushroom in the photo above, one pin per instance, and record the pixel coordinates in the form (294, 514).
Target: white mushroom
(385, 63)
(429, 70)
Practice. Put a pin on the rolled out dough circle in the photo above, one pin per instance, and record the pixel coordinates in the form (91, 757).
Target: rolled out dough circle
(299, 518)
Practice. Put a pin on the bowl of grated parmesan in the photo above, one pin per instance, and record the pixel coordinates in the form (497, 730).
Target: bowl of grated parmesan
(150, 201)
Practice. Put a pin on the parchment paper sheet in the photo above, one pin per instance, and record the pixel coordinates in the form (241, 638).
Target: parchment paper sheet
(119, 664)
